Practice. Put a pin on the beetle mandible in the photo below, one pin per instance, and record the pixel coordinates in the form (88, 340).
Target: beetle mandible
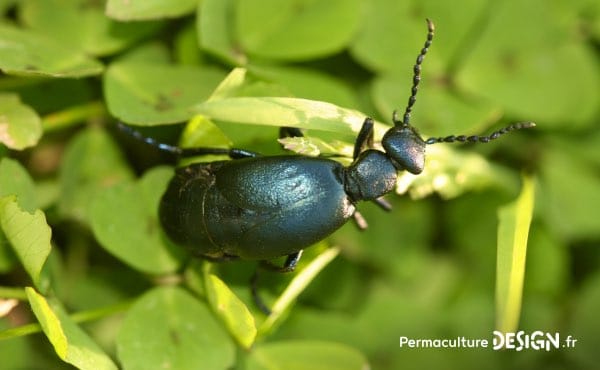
(263, 207)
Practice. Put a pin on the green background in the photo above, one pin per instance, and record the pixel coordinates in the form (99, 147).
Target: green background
(111, 290)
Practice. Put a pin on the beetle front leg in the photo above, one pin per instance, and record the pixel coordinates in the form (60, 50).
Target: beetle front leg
(364, 137)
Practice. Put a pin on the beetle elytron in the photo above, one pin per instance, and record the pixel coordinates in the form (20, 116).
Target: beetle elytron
(262, 207)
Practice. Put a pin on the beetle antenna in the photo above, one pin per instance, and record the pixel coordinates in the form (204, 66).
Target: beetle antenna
(148, 140)
(480, 139)
(416, 78)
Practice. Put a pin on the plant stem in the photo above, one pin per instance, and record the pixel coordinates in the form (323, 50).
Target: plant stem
(78, 317)
(10, 292)
(296, 286)
(72, 115)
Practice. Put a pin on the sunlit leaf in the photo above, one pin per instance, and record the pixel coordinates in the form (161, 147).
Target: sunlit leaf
(294, 112)
(28, 234)
(20, 126)
(513, 230)
(125, 10)
(70, 342)
(234, 313)
(14, 180)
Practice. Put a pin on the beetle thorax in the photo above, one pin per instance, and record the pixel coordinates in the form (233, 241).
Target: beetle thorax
(371, 176)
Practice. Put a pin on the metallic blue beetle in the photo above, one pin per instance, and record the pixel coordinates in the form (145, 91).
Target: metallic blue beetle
(255, 207)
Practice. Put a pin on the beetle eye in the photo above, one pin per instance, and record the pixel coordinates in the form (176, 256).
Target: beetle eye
(406, 147)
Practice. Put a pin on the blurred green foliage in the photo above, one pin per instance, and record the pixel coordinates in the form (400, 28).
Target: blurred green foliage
(114, 292)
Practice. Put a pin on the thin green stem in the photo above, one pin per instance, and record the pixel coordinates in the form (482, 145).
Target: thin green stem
(297, 286)
(10, 292)
(78, 317)
(72, 116)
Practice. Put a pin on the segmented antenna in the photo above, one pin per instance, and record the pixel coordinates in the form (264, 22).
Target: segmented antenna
(477, 138)
(234, 153)
(148, 140)
(416, 77)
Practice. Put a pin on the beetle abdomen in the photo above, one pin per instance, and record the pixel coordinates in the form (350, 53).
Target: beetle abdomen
(182, 208)
(272, 206)
(255, 208)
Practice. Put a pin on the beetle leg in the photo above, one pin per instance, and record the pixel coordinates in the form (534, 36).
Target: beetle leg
(255, 296)
(360, 220)
(288, 266)
(364, 137)
(383, 203)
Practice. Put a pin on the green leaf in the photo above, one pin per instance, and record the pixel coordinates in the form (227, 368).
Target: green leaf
(148, 53)
(20, 126)
(234, 313)
(233, 82)
(185, 47)
(29, 235)
(393, 33)
(202, 132)
(439, 111)
(313, 147)
(70, 342)
(584, 325)
(147, 94)
(513, 230)
(27, 53)
(167, 327)
(124, 219)
(570, 185)
(309, 84)
(297, 30)
(384, 43)
(304, 354)
(92, 162)
(126, 10)
(214, 26)
(533, 67)
(95, 33)
(292, 112)
(14, 180)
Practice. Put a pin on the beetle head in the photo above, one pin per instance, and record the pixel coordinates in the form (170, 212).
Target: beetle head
(405, 147)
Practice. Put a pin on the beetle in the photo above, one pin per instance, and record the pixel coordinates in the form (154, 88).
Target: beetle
(262, 207)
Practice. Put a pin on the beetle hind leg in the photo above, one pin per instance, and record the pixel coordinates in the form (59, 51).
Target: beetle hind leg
(288, 266)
